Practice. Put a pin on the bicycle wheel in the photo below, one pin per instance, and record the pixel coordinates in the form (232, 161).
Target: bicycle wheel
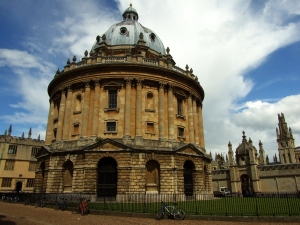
(159, 215)
(179, 214)
(36, 204)
(42, 204)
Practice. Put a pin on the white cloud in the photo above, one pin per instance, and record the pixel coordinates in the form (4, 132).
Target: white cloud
(220, 40)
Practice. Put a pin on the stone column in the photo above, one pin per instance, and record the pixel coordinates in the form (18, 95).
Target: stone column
(201, 129)
(191, 121)
(96, 109)
(49, 134)
(127, 108)
(161, 115)
(85, 114)
(138, 108)
(68, 110)
(171, 113)
(196, 127)
(61, 116)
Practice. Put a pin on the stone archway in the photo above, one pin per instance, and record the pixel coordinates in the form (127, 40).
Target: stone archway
(245, 185)
(152, 177)
(188, 177)
(18, 186)
(107, 177)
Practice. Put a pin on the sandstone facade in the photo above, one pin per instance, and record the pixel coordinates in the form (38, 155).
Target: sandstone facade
(125, 119)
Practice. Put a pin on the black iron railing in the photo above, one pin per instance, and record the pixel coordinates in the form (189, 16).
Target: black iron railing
(260, 204)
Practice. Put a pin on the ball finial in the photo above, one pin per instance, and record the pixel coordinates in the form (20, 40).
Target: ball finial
(130, 4)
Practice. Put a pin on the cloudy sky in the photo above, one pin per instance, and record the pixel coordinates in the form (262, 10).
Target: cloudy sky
(246, 55)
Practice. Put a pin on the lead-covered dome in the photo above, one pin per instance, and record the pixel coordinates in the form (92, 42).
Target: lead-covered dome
(129, 32)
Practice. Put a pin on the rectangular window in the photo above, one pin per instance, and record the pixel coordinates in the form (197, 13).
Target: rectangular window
(180, 132)
(34, 151)
(76, 129)
(32, 166)
(12, 149)
(30, 183)
(112, 102)
(179, 106)
(111, 126)
(9, 165)
(150, 128)
(6, 182)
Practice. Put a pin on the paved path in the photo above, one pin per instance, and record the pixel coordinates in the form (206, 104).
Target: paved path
(18, 214)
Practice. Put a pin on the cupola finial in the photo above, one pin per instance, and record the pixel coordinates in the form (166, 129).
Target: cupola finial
(130, 4)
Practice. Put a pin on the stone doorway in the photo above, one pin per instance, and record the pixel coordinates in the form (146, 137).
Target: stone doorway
(188, 177)
(18, 186)
(245, 185)
(107, 177)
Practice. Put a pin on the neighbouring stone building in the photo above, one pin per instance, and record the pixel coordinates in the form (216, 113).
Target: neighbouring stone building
(125, 119)
(249, 170)
(18, 162)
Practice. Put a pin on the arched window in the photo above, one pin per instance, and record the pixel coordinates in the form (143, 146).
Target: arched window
(78, 103)
(68, 175)
(149, 103)
(152, 177)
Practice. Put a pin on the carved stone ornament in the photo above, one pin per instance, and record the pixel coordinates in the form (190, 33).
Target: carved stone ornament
(187, 67)
(104, 37)
(74, 58)
(161, 85)
(128, 80)
(139, 81)
(86, 53)
(68, 61)
(141, 36)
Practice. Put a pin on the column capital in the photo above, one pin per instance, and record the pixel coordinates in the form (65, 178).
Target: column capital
(139, 81)
(161, 85)
(69, 88)
(170, 85)
(87, 83)
(128, 80)
(97, 82)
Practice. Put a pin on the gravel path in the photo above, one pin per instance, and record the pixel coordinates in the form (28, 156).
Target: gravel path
(18, 214)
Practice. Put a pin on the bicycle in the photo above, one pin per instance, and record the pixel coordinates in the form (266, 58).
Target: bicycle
(27, 201)
(40, 202)
(61, 204)
(82, 207)
(171, 210)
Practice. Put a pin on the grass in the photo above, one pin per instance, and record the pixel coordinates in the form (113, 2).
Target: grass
(229, 206)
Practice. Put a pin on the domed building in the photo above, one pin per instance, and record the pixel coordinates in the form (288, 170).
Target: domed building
(125, 119)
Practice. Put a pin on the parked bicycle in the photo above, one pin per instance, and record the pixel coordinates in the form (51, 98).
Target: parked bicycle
(172, 211)
(60, 204)
(27, 201)
(82, 207)
(40, 202)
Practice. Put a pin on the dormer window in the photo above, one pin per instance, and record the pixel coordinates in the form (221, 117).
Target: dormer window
(123, 30)
(128, 16)
(152, 37)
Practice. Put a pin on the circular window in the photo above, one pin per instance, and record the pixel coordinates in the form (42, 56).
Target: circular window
(123, 30)
(152, 37)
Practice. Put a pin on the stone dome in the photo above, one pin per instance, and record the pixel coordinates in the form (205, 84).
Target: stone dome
(129, 32)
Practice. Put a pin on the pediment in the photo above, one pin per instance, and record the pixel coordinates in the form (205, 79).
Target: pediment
(107, 145)
(44, 151)
(190, 149)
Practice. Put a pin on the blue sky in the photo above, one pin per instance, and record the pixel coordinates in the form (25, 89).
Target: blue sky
(245, 54)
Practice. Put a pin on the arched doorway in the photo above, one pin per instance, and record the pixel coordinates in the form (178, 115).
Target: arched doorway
(68, 175)
(152, 177)
(107, 177)
(18, 186)
(188, 177)
(245, 185)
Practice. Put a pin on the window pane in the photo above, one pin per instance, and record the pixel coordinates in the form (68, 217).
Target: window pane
(112, 99)
(111, 126)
